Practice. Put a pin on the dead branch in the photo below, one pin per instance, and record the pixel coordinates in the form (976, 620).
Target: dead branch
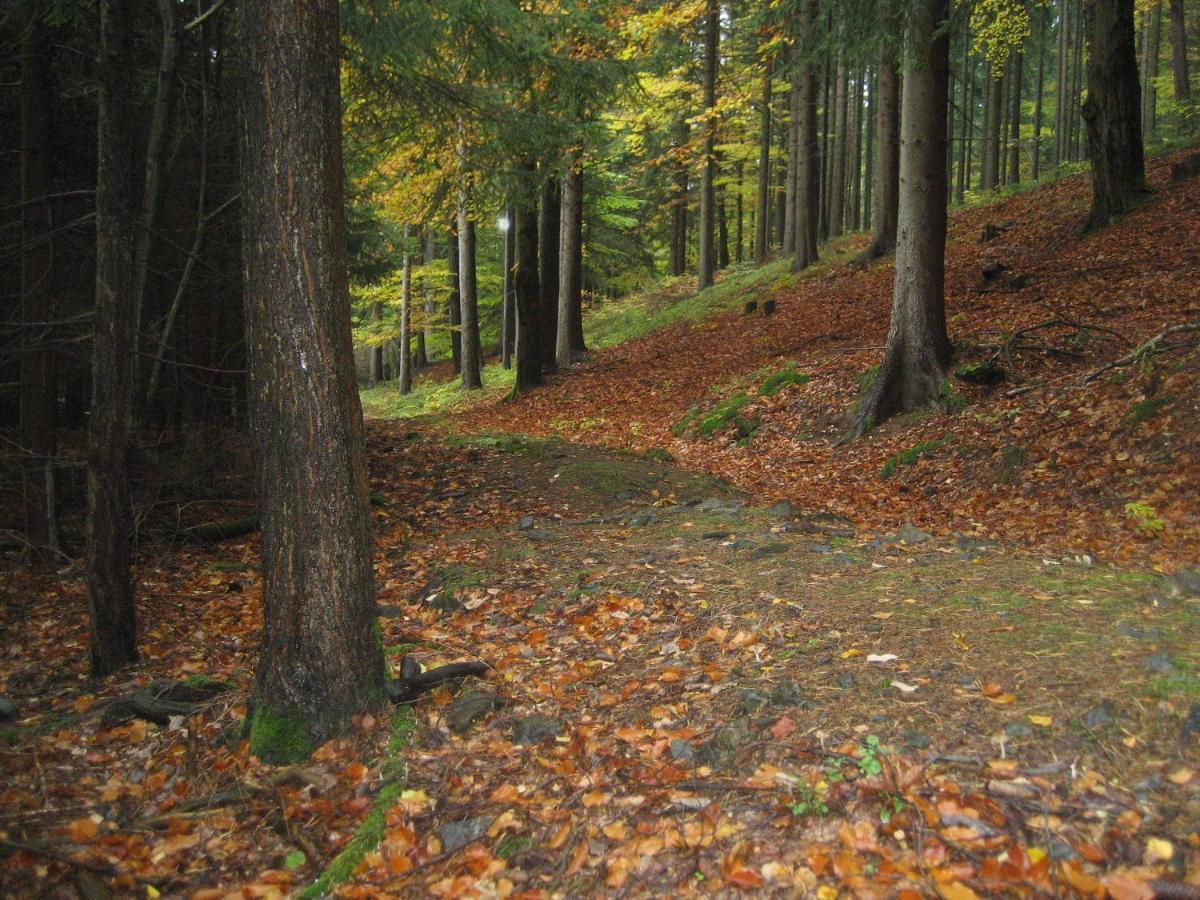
(1154, 344)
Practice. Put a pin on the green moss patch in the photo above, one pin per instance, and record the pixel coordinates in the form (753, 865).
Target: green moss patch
(775, 383)
(280, 737)
(910, 456)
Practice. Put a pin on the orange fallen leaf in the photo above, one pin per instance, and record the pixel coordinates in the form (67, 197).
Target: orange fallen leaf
(783, 727)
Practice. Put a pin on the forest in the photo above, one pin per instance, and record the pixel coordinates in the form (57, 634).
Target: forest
(569, 448)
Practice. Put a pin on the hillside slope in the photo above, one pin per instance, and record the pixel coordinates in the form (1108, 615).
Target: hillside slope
(1106, 466)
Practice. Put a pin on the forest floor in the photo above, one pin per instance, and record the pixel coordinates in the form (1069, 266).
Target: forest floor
(960, 657)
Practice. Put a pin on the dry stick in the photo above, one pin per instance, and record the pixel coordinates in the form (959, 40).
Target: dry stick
(1147, 347)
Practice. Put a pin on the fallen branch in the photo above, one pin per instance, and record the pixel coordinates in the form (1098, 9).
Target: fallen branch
(1140, 352)
(413, 682)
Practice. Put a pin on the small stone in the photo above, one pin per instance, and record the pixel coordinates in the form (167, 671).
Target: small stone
(821, 548)
(525, 523)
(722, 747)
(915, 740)
(768, 550)
(682, 751)
(965, 542)
(788, 693)
(1060, 851)
(711, 503)
(1184, 583)
(717, 535)
(911, 534)
(456, 835)
(1016, 730)
(1139, 633)
(742, 544)
(1191, 725)
(1159, 664)
(535, 729)
(1100, 716)
(446, 603)
(467, 710)
(845, 681)
(538, 534)
(751, 700)
(643, 518)
(783, 509)
(8, 710)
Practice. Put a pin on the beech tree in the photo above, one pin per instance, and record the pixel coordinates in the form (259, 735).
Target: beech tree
(1112, 111)
(918, 347)
(321, 660)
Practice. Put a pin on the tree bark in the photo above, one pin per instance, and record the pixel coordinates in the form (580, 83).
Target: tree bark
(570, 257)
(887, 159)
(762, 208)
(1036, 169)
(1179, 53)
(1060, 85)
(808, 182)
(110, 515)
(993, 115)
(1111, 113)
(918, 348)
(549, 224)
(707, 262)
(793, 166)
(406, 375)
(38, 427)
(468, 296)
(454, 303)
(837, 190)
(529, 352)
(1151, 42)
(425, 335)
(1014, 126)
(739, 212)
(508, 313)
(321, 660)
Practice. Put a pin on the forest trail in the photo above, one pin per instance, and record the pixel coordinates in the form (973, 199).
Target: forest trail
(691, 692)
(1047, 457)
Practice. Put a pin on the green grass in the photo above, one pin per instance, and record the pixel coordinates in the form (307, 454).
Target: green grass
(384, 401)
(909, 456)
(775, 383)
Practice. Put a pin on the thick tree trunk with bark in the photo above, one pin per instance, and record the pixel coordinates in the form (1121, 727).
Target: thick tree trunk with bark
(762, 208)
(1014, 125)
(529, 352)
(570, 261)
(1112, 112)
(321, 660)
(793, 166)
(918, 348)
(1179, 52)
(549, 224)
(887, 156)
(38, 442)
(993, 115)
(110, 516)
(707, 262)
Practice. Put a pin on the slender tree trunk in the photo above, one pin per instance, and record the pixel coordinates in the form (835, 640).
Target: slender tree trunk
(991, 140)
(837, 195)
(549, 223)
(375, 369)
(887, 161)
(454, 303)
(38, 438)
(739, 207)
(708, 174)
(1111, 113)
(529, 353)
(1152, 37)
(967, 119)
(472, 364)
(1179, 53)
(1077, 85)
(869, 152)
(762, 208)
(808, 188)
(321, 661)
(508, 318)
(569, 256)
(918, 348)
(425, 336)
(856, 154)
(722, 230)
(406, 375)
(109, 515)
(826, 142)
(1014, 127)
(1036, 172)
(793, 164)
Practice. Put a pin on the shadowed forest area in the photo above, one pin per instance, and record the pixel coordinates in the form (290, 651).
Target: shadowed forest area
(610, 448)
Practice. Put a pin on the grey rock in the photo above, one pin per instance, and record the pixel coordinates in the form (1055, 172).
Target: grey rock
(1184, 583)
(1100, 716)
(821, 548)
(682, 751)
(742, 544)
(643, 518)
(768, 550)
(469, 709)
(915, 740)
(1060, 851)
(1191, 725)
(1137, 632)
(1017, 730)
(525, 523)
(8, 710)
(446, 603)
(751, 700)
(535, 729)
(783, 509)
(963, 542)
(845, 681)
(911, 534)
(538, 534)
(722, 748)
(456, 835)
(788, 693)
(1159, 664)
(709, 504)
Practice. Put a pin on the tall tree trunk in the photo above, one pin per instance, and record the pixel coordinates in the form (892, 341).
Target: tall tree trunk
(468, 296)
(38, 427)
(793, 165)
(405, 378)
(321, 660)
(1179, 53)
(375, 369)
(1111, 113)
(993, 115)
(454, 303)
(837, 195)
(549, 224)
(425, 336)
(918, 348)
(1077, 69)
(762, 208)
(707, 262)
(1151, 43)
(110, 516)
(808, 188)
(569, 257)
(967, 119)
(1014, 127)
(722, 229)
(1036, 172)
(530, 332)
(739, 211)
(508, 318)
(872, 89)
(887, 156)
(855, 160)
(679, 203)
